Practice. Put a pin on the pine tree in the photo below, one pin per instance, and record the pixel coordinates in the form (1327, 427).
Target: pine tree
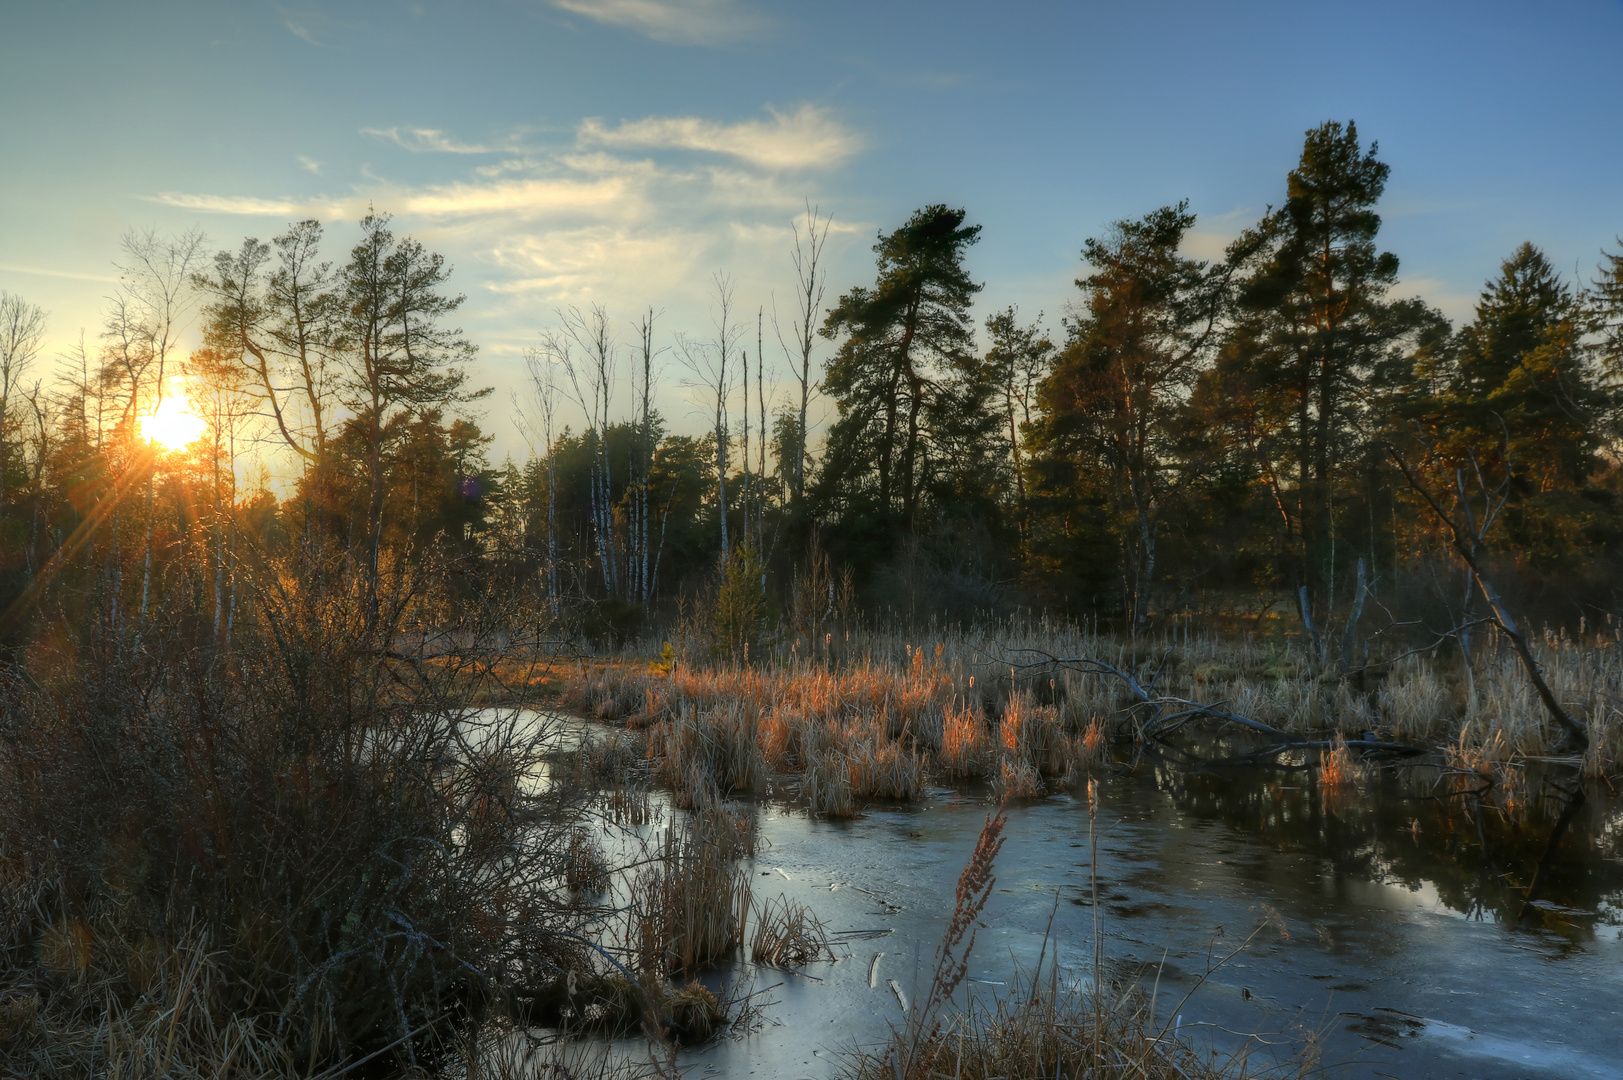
(908, 387)
(1114, 402)
(1315, 330)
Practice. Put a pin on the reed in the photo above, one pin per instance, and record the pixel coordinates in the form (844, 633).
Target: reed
(1065, 1032)
(1338, 767)
(787, 934)
(1050, 1029)
(689, 907)
(876, 715)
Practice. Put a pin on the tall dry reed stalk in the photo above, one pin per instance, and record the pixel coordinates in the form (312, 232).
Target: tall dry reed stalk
(689, 908)
(1048, 1029)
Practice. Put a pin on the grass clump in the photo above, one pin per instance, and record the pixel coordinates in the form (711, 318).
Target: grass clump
(787, 934)
(1058, 1032)
(690, 906)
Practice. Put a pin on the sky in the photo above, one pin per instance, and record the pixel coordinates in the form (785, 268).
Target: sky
(623, 152)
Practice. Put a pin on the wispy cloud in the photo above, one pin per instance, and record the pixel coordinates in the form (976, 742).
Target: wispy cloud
(599, 218)
(310, 165)
(569, 264)
(228, 204)
(39, 271)
(299, 26)
(678, 22)
(428, 141)
(529, 197)
(808, 137)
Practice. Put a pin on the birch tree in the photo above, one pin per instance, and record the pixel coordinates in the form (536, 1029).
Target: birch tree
(711, 365)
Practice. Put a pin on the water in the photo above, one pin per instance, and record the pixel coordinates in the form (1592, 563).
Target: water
(1394, 924)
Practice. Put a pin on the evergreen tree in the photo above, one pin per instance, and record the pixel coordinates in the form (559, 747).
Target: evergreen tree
(910, 392)
(1315, 333)
(1603, 314)
(1114, 401)
(398, 356)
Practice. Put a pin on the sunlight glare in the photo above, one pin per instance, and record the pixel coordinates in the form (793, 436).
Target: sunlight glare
(173, 425)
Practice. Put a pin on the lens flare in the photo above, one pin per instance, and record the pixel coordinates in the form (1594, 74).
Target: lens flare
(173, 425)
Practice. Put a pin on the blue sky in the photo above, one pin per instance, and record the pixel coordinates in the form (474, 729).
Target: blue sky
(621, 151)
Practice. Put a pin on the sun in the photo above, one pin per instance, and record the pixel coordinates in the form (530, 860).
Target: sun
(173, 425)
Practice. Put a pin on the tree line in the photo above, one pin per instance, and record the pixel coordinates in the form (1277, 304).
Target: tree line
(1275, 429)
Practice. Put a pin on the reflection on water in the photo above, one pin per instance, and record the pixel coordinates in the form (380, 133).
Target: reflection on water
(1420, 930)
(1550, 861)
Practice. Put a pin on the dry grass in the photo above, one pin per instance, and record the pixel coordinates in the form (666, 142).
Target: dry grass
(966, 744)
(1339, 767)
(689, 907)
(279, 861)
(787, 934)
(1062, 1032)
(1016, 779)
(720, 750)
(876, 716)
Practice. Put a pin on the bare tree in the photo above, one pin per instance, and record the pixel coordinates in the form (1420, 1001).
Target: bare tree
(811, 280)
(643, 456)
(592, 375)
(149, 313)
(22, 329)
(1466, 533)
(278, 320)
(544, 392)
(224, 397)
(760, 393)
(41, 408)
(709, 364)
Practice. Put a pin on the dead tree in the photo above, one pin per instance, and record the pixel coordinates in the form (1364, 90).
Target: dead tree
(1466, 535)
(811, 279)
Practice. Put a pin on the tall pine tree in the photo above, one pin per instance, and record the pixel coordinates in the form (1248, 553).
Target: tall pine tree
(1315, 332)
(914, 424)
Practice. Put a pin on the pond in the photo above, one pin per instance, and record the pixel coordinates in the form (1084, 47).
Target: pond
(1394, 918)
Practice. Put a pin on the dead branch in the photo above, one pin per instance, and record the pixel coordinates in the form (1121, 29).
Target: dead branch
(1466, 545)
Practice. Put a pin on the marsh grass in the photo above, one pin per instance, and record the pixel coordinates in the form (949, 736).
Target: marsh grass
(874, 716)
(1339, 767)
(690, 906)
(1065, 1032)
(787, 934)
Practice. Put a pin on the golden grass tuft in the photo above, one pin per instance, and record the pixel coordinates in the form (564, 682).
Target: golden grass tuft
(966, 747)
(1339, 767)
(1016, 779)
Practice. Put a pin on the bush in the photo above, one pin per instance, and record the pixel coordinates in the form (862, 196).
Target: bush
(320, 838)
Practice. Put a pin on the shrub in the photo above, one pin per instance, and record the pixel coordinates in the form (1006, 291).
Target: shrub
(309, 846)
